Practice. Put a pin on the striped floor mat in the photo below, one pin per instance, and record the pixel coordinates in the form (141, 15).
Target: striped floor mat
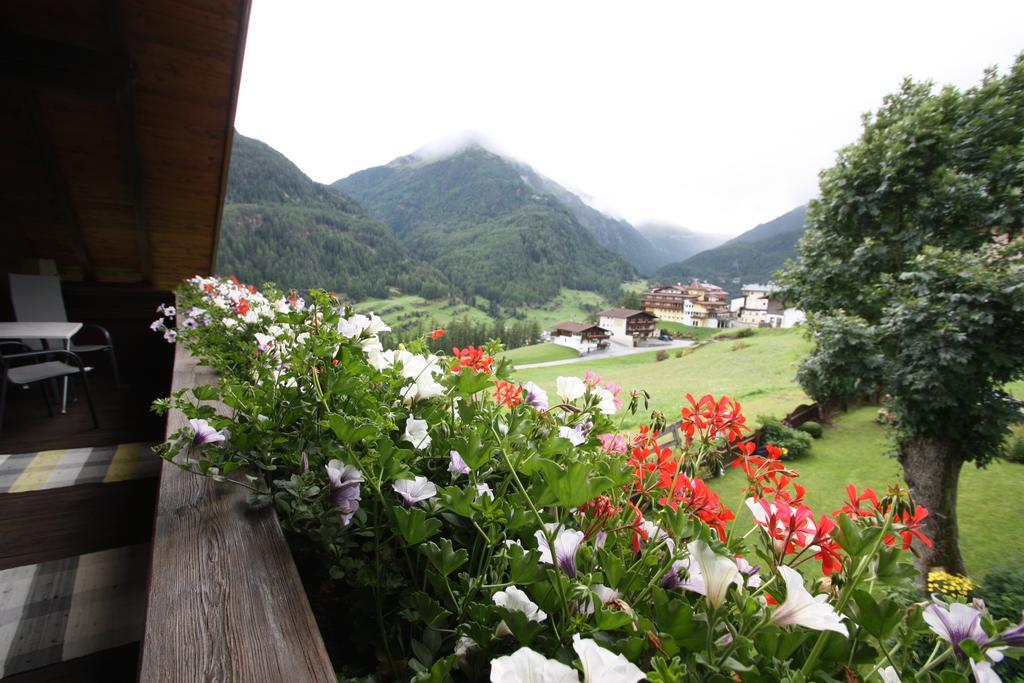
(69, 608)
(20, 472)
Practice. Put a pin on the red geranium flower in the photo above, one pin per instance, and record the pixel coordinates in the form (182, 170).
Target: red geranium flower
(508, 394)
(471, 357)
(908, 526)
(436, 334)
(852, 507)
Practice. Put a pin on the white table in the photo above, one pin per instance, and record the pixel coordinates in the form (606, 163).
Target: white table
(42, 331)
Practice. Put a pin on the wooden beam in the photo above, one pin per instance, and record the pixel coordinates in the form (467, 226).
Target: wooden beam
(128, 140)
(32, 114)
(37, 61)
(229, 126)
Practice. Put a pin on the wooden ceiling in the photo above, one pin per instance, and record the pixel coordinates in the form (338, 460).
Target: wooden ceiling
(115, 134)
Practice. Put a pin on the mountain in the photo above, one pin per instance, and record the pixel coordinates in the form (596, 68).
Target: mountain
(493, 229)
(675, 243)
(614, 234)
(281, 226)
(748, 258)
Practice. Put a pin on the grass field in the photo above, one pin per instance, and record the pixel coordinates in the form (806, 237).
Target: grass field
(759, 372)
(688, 331)
(853, 451)
(538, 353)
(407, 310)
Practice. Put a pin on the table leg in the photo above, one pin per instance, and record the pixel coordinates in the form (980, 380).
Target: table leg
(64, 398)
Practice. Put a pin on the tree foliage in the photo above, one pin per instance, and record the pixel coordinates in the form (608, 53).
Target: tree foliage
(912, 265)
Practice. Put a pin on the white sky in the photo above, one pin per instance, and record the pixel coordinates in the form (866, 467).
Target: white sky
(715, 116)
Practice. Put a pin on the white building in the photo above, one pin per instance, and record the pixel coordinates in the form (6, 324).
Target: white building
(760, 307)
(627, 326)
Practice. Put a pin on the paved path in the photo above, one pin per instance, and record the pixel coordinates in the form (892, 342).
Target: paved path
(613, 351)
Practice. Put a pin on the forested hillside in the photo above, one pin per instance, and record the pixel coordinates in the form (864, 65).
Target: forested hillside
(492, 234)
(751, 257)
(281, 226)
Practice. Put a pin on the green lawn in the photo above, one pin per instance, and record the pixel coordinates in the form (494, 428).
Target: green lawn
(853, 451)
(758, 372)
(538, 353)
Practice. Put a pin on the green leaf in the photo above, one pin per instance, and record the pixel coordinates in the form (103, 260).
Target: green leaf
(572, 486)
(348, 430)
(849, 536)
(444, 557)
(414, 525)
(524, 565)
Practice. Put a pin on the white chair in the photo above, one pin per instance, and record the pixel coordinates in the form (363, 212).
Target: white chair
(38, 298)
(45, 368)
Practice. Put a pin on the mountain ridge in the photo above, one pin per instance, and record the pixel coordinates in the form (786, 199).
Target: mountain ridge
(752, 256)
(281, 226)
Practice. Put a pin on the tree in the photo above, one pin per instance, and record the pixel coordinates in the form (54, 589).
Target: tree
(914, 259)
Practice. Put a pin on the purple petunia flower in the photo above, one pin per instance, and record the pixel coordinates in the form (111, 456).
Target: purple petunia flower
(956, 623)
(536, 397)
(203, 433)
(457, 465)
(345, 494)
(567, 544)
(1014, 637)
(413, 491)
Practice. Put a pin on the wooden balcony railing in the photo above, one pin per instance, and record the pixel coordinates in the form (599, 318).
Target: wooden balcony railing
(225, 600)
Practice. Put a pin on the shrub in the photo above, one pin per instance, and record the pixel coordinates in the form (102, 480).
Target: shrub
(795, 442)
(661, 355)
(679, 353)
(1015, 444)
(812, 428)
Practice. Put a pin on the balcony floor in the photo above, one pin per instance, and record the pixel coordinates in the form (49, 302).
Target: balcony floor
(76, 517)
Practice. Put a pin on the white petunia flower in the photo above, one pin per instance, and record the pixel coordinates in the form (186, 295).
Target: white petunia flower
(606, 401)
(527, 666)
(517, 601)
(802, 609)
(416, 433)
(717, 571)
(484, 490)
(376, 325)
(604, 666)
(570, 388)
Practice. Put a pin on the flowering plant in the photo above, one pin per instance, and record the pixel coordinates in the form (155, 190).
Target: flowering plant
(489, 530)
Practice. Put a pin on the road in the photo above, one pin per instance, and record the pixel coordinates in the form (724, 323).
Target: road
(613, 351)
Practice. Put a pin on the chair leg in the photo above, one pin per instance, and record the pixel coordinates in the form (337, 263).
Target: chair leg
(46, 398)
(3, 398)
(88, 398)
(113, 365)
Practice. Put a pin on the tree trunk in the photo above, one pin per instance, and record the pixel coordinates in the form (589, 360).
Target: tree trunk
(932, 470)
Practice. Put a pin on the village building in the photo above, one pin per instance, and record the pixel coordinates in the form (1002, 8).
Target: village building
(698, 304)
(628, 326)
(760, 306)
(583, 337)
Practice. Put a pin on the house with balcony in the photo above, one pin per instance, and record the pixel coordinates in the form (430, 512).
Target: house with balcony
(698, 304)
(628, 326)
(581, 337)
